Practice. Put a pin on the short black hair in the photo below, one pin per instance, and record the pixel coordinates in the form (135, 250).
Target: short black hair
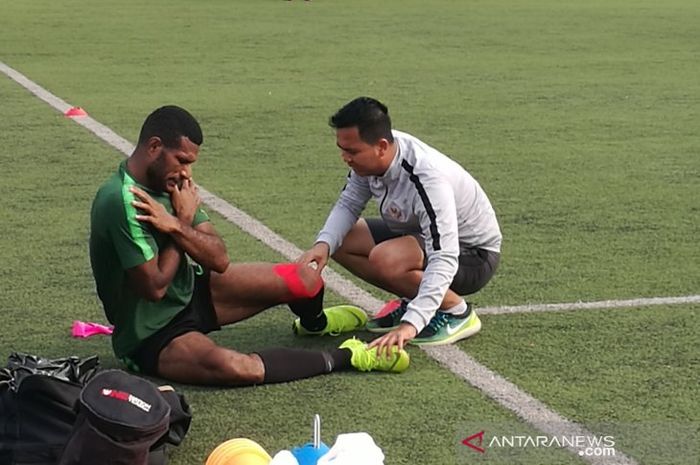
(369, 115)
(170, 123)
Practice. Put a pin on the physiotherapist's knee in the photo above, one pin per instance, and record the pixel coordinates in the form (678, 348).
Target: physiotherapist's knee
(384, 263)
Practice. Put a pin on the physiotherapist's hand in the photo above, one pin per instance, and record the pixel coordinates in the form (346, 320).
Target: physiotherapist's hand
(318, 254)
(151, 211)
(185, 200)
(398, 337)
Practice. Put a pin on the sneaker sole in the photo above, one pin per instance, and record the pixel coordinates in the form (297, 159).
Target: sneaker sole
(379, 330)
(458, 336)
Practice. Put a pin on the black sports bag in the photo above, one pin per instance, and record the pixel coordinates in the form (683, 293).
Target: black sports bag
(37, 406)
(121, 416)
(39, 399)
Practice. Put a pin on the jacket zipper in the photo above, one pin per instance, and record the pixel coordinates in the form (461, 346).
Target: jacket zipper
(381, 205)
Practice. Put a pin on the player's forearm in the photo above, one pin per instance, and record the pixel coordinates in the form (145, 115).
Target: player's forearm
(168, 261)
(154, 285)
(206, 249)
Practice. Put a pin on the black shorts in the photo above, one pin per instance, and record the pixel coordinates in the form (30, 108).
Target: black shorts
(476, 266)
(199, 315)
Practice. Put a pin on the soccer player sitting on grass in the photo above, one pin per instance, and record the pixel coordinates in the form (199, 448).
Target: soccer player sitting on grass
(165, 281)
(437, 239)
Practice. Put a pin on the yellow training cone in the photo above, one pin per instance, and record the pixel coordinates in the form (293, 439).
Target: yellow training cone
(239, 451)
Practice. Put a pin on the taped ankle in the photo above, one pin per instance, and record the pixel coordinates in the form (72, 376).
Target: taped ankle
(289, 272)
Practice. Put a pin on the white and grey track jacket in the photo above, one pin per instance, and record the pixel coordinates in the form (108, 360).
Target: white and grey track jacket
(423, 193)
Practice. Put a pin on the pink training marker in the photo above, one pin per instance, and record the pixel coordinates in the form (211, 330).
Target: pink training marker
(75, 112)
(388, 307)
(83, 329)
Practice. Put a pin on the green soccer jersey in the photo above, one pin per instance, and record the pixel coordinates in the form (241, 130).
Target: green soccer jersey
(118, 241)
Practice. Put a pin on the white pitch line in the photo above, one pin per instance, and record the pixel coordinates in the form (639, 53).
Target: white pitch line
(601, 304)
(490, 383)
(335, 281)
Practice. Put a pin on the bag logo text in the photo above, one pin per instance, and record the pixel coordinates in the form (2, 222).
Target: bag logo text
(126, 397)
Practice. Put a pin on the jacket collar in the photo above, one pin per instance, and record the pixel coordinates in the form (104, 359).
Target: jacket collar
(394, 170)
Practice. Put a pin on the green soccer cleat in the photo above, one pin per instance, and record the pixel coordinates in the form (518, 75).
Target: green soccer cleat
(341, 319)
(390, 321)
(364, 359)
(445, 328)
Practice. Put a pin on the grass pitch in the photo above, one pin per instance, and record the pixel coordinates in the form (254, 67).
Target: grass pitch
(580, 120)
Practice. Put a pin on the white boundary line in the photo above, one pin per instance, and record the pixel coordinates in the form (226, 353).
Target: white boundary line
(335, 281)
(602, 304)
(490, 383)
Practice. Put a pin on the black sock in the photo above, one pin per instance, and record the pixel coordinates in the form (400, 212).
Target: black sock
(282, 365)
(342, 359)
(310, 312)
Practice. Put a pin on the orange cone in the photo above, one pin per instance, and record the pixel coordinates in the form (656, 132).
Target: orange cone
(75, 112)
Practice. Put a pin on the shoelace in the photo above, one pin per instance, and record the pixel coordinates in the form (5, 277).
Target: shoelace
(368, 359)
(438, 321)
(374, 360)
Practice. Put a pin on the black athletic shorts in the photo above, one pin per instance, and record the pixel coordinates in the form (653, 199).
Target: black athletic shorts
(476, 266)
(199, 315)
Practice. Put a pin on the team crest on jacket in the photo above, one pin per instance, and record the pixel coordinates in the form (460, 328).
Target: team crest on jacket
(394, 212)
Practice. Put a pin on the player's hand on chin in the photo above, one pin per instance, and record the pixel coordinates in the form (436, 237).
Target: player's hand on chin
(185, 200)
